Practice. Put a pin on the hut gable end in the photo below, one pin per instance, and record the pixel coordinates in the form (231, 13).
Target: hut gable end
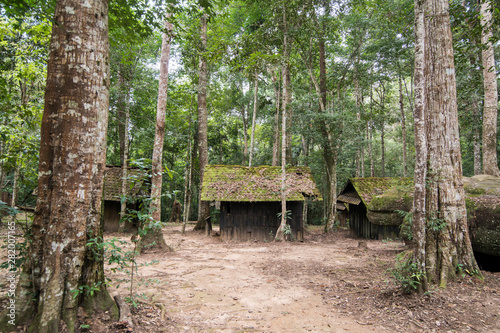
(113, 183)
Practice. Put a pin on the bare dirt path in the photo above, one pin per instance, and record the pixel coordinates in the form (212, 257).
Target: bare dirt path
(325, 284)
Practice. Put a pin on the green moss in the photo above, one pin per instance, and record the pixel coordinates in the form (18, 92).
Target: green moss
(475, 191)
(254, 184)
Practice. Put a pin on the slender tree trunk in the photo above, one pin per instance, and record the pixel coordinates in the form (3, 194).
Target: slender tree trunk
(370, 135)
(2, 171)
(254, 116)
(154, 236)
(276, 142)
(124, 153)
(203, 206)
(330, 157)
(71, 169)
(477, 141)
(382, 148)
(284, 127)
(287, 96)
(403, 126)
(15, 185)
(490, 163)
(188, 175)
(358, 118)
(245, 135)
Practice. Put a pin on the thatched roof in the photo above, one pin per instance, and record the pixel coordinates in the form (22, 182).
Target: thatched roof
(253, 184)
(113, 183)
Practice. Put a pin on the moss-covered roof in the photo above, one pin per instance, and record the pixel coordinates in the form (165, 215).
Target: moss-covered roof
(384, 193)
(113, 183)
(384, 196)
(252, 184)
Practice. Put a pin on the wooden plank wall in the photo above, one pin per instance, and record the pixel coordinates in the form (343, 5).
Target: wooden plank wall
(358, 222)
(257, 220)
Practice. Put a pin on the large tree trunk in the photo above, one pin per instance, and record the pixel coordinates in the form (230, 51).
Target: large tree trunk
(154, 235)
(71, 169)
(203, 206)
(490, 166)
(446, 242)
(254, 116)
(419, 115)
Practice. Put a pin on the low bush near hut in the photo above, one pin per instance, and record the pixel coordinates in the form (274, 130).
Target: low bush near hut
(405, 273)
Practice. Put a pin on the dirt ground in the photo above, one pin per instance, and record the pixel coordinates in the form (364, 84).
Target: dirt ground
(324, 284)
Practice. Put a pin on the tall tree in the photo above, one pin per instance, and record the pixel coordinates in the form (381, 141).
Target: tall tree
(442, 240)
(155, 235)
(284, 125)
(490, 163)
(72, 160)
(203, 206)
(254, 115)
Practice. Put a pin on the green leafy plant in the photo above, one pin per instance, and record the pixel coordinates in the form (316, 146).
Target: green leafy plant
(406, 273)
(435, 223)
(288, 233)
(406, 228)
(18, 236)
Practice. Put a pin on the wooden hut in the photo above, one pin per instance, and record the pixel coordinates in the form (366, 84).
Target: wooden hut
(250, 199)
(374, 205)
(137, 187)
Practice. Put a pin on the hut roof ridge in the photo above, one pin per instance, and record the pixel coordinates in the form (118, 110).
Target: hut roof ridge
(253, 184)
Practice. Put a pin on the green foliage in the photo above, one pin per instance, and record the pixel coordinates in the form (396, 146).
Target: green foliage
(87, 290)
(288, 233)
(461, 270)
(406, 228)
(406, 273)
(434, 222)
(19, 231)
(288, 215)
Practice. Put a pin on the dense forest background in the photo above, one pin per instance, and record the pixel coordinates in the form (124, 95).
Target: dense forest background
(350, 84)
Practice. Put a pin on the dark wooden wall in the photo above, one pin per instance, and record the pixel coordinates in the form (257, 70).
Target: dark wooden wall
(111, 217)
(358, 222)
(257, 220)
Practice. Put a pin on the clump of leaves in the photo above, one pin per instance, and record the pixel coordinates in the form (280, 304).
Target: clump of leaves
(406, 273)
(405, 229)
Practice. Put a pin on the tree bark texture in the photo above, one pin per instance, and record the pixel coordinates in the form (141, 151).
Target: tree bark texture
(203, 206)
(245, 135)
(155, 235)
(284, 127)
(490, 164)
(419, 200)
(71, 169)
(125, 108)
(477, 141)
(403, 126)
(276, 142)
(447, 244)
(254, 116)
